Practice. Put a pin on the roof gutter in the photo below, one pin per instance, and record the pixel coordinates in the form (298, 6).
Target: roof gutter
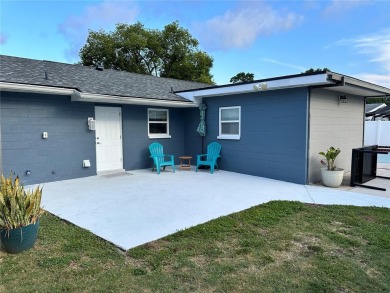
(97, 98)
(19, 87)
(93, 98)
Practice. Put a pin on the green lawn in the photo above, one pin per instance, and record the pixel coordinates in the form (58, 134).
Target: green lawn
(275, 247)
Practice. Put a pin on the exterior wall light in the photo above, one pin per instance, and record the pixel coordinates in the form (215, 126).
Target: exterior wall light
(260, 87)
(343, 100)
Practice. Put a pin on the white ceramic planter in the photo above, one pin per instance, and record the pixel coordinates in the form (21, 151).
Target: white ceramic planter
(332, 178)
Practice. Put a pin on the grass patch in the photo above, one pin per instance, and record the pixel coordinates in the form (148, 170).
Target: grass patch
(275, 247)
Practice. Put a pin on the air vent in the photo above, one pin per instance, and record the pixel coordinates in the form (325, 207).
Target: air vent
(99, 66)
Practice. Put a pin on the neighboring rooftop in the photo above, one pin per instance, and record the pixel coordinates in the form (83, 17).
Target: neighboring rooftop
(89, 80)
(383, 112)
(374, 107)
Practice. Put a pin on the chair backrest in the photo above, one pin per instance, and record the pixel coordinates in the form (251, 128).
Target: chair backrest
(213, 150)
(156, 149)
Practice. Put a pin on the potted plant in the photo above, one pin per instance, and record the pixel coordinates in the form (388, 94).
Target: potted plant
(331, 175)
(20, 211)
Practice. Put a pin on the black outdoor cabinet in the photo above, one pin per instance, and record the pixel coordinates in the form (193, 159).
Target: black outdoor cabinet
(364, 164)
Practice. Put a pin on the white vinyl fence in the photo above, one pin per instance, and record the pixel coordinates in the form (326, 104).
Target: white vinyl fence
(377, 133)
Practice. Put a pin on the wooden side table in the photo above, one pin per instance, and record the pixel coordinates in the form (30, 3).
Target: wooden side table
(185, 163)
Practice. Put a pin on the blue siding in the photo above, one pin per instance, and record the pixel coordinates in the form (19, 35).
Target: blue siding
(273, 134)
(25, 117)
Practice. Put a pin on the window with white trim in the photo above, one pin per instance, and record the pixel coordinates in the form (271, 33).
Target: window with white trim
(158, 123)
(229, 122)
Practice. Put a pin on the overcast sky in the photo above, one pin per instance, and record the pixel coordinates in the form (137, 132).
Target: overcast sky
(267, 38)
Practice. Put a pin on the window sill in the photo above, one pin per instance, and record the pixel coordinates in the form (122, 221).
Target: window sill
(233, 137)
(153, 136)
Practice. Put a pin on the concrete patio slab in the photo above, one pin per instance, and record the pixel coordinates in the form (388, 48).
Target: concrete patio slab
(133, 208)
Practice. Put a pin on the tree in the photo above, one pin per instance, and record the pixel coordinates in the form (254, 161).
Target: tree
(385, 100)
(242, 77)
(171, 52)
(312, 70)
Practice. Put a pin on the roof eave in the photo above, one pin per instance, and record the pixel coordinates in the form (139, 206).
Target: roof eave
(89, 97)
(273, 84)
(98, 98)
(31, 88)
(329, 80)
(356, 86)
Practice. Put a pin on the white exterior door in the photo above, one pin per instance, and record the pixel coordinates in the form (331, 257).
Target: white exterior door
(109, 150)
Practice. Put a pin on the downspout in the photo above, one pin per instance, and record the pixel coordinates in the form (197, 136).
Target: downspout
(308, 135)
(364, 120)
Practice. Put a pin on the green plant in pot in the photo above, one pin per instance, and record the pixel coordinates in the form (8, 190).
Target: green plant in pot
(20, 211)
(331, 175)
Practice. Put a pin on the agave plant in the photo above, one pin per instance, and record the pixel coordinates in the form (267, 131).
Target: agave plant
(330, 155)
(18, 207)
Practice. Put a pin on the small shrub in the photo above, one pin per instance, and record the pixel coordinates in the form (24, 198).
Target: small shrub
(18, 207)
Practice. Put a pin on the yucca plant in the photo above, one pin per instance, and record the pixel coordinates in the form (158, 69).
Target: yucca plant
(18, 208)
(330, 155)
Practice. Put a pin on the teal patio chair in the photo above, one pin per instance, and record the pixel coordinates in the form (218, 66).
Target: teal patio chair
(159, 159)
(209, 159)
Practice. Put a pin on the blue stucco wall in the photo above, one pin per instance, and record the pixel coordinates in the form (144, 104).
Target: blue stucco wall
(273, 140)
(25, 117)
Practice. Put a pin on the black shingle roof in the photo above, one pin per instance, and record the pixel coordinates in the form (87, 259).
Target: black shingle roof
(89, 80)
(370, 107)
(382, 111)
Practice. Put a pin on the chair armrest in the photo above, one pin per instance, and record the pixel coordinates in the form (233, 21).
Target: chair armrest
(156, 156)
(216, 158)
(199, 156)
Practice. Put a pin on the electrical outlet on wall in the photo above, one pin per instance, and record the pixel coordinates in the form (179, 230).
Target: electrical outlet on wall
(86, 163)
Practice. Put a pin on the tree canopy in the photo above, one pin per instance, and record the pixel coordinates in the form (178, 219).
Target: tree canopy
(378, 100)
(171, 52)
(242, 77)
(312, 70)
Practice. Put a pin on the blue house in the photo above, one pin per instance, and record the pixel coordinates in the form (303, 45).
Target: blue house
(62, 121)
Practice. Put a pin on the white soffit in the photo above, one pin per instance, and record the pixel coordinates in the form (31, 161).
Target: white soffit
(354, 90)
(265, 85)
